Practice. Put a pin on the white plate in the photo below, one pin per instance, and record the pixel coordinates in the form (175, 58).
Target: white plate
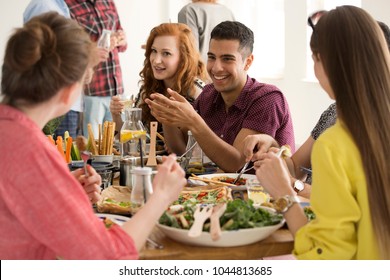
(118, 219)
(229, 238)
(231, 175)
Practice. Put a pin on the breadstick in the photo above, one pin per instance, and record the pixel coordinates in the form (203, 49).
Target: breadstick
(92, 139)
(112, 135)
(108, 149)
(211, 181)
(104, 140)
(160, 136)
(100, 140)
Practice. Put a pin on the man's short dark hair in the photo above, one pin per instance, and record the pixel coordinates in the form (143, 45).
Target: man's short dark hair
(234, 30)
(386, 32)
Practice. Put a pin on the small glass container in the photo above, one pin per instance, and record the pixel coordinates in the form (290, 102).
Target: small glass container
(256, 192)
(142, 188)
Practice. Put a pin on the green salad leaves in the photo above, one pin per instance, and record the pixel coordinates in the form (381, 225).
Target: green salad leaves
(239, 214)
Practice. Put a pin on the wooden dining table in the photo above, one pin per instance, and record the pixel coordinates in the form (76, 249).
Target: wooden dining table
(279, 243)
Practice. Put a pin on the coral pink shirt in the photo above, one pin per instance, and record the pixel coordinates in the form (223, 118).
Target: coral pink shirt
(44, 211)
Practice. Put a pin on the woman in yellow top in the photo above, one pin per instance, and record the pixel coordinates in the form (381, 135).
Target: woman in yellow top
(350, 161)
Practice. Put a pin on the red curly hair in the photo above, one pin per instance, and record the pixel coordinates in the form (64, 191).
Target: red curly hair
(190, 67)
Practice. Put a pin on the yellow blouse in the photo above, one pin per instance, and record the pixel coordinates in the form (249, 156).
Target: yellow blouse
(342, 228)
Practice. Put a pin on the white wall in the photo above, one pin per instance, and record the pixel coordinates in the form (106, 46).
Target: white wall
(306, 99)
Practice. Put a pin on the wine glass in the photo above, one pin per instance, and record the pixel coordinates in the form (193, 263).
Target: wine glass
(127, 99)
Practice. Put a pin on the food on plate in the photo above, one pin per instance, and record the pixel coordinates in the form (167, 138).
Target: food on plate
(309, 213)
(230, 180)
(81, 143)
(196, 169)
(108, 223)
(115, 200)
(199, 168)
(239, 214)
(110, 205)
(257, 194)
(212, 196)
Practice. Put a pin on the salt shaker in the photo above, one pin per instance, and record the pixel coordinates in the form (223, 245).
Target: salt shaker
(142, 187)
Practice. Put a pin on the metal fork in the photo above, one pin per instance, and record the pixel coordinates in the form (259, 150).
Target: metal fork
(155, 244)
(241, 172)
(200, 216)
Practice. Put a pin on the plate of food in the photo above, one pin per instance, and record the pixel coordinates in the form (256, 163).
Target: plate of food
(226, 178)
(115, 200)
(204, 196)
(199, 169)
(112, 218)
(241, 224)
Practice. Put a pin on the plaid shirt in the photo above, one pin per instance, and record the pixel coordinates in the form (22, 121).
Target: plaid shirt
(94, 16)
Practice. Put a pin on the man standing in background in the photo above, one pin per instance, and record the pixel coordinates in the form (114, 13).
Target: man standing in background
(202, 16)
(71, 120)
(95, 16)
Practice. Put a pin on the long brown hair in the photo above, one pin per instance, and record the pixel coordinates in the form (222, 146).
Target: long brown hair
(190, 67)
(48, 53)
(356, 59)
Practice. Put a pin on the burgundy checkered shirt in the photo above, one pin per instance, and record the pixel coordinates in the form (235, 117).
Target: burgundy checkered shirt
(260, 107)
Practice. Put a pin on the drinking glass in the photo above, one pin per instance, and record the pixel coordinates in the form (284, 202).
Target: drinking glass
(106, 176)
(127, 100)
(256, 192)
(104, 41)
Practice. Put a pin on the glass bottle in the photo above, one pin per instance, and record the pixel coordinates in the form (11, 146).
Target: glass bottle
(193, 159)
(133, 134)
(142, 187)
(188, 153)
(104, 41)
